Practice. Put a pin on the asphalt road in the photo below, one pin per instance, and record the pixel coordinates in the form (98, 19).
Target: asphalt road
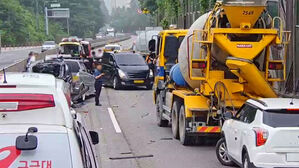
(15, 55)
(138, 134)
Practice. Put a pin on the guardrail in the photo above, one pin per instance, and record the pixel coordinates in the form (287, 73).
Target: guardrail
(20, 66)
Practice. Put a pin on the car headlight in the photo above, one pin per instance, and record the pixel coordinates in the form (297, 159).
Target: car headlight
(76, 78)
(122, 74)
(151, 73)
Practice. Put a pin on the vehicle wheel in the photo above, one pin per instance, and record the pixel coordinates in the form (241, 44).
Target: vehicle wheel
(183, 123)
(222, 154)
(116, 84)
(149, 86)
(246, 161)
(175, 120)
(159, 111)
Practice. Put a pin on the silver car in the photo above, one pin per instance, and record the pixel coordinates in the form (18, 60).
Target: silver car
(82, 79)
(48, 45)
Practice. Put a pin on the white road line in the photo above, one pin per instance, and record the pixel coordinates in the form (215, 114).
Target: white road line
(114, 121)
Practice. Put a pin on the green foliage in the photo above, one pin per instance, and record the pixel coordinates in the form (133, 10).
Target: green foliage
(128, 19)
(22, 21)
(167, 11)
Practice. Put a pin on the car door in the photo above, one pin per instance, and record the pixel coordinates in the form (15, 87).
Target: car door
(88, 79)
(87, 151)
(109, 68)
(241, 128)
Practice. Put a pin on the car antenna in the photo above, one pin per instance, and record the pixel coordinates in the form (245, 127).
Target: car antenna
(4, 73)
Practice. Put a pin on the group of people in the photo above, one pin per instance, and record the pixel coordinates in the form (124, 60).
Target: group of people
(97, 72)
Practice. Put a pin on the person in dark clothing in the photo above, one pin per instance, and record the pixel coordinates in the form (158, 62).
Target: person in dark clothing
(98, 83)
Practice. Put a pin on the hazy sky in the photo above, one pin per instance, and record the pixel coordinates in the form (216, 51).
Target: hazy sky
(110, 4)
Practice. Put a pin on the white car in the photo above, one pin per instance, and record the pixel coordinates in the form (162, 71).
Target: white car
(112, 48)
(38, 128)
(48, 45)
(264, 133)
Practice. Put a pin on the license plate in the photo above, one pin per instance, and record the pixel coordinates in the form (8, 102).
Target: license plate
(138, 81)
(293, 157)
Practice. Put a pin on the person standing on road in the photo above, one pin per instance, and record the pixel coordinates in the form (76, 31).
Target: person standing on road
(31, 58)
(98, 83)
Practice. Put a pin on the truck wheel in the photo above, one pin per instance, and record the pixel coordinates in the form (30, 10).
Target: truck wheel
(221, 153)
(175, 120)
(159, 111)
(183, 124)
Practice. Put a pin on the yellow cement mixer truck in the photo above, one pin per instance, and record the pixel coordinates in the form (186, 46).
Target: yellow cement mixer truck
(231, 54)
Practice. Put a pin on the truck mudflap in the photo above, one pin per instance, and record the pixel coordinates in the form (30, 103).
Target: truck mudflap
(209, 129)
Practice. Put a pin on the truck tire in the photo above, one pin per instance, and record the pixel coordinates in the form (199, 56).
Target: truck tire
(175, 120)
(221, 153)
(159, 111)
(183, 124)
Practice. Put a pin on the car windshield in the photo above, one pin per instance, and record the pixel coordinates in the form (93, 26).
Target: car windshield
(70, 49)
(281, 118)
(129, 60)
(53, 69)
(73, 66)
(49, 43)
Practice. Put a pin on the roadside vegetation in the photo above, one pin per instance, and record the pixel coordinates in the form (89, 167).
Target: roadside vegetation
(129, 20)
(22, 21)
(166, 12)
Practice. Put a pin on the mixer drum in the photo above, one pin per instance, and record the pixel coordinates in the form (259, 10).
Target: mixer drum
(217, 53)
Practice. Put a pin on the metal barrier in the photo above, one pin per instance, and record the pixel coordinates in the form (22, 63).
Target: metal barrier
(20, 66)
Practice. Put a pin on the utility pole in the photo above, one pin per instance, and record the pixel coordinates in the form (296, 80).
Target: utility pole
(36, 14)
(46, 21)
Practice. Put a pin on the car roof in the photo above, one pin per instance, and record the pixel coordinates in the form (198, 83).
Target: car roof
(275, 103)
(73, 60)
(26, 79)
(69, 43)
(54, 61)
(127, 53)
(112, 45)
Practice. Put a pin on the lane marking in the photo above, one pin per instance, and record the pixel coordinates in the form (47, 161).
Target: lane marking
(114, 121)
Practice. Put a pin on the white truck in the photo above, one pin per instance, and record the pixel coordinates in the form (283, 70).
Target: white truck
(143, 38)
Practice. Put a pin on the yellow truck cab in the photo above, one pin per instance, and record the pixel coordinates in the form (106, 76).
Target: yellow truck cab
(166, 50)
(71, 47)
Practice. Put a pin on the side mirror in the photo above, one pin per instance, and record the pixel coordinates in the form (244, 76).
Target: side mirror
(27, 142)
(228, 115)
(94, 137)
(152, 45)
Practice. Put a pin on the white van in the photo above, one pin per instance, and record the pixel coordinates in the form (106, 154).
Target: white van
(38, 128)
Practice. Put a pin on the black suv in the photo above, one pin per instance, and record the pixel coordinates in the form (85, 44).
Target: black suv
(126, 69)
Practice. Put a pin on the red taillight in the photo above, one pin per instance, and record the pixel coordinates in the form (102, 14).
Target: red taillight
(276, 66)
(65, 40)
(8, 86)
(22, 102)
(199, 64)
(261, 136)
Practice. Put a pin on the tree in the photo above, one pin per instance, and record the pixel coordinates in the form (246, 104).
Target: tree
(22, 21)
(128, 19)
